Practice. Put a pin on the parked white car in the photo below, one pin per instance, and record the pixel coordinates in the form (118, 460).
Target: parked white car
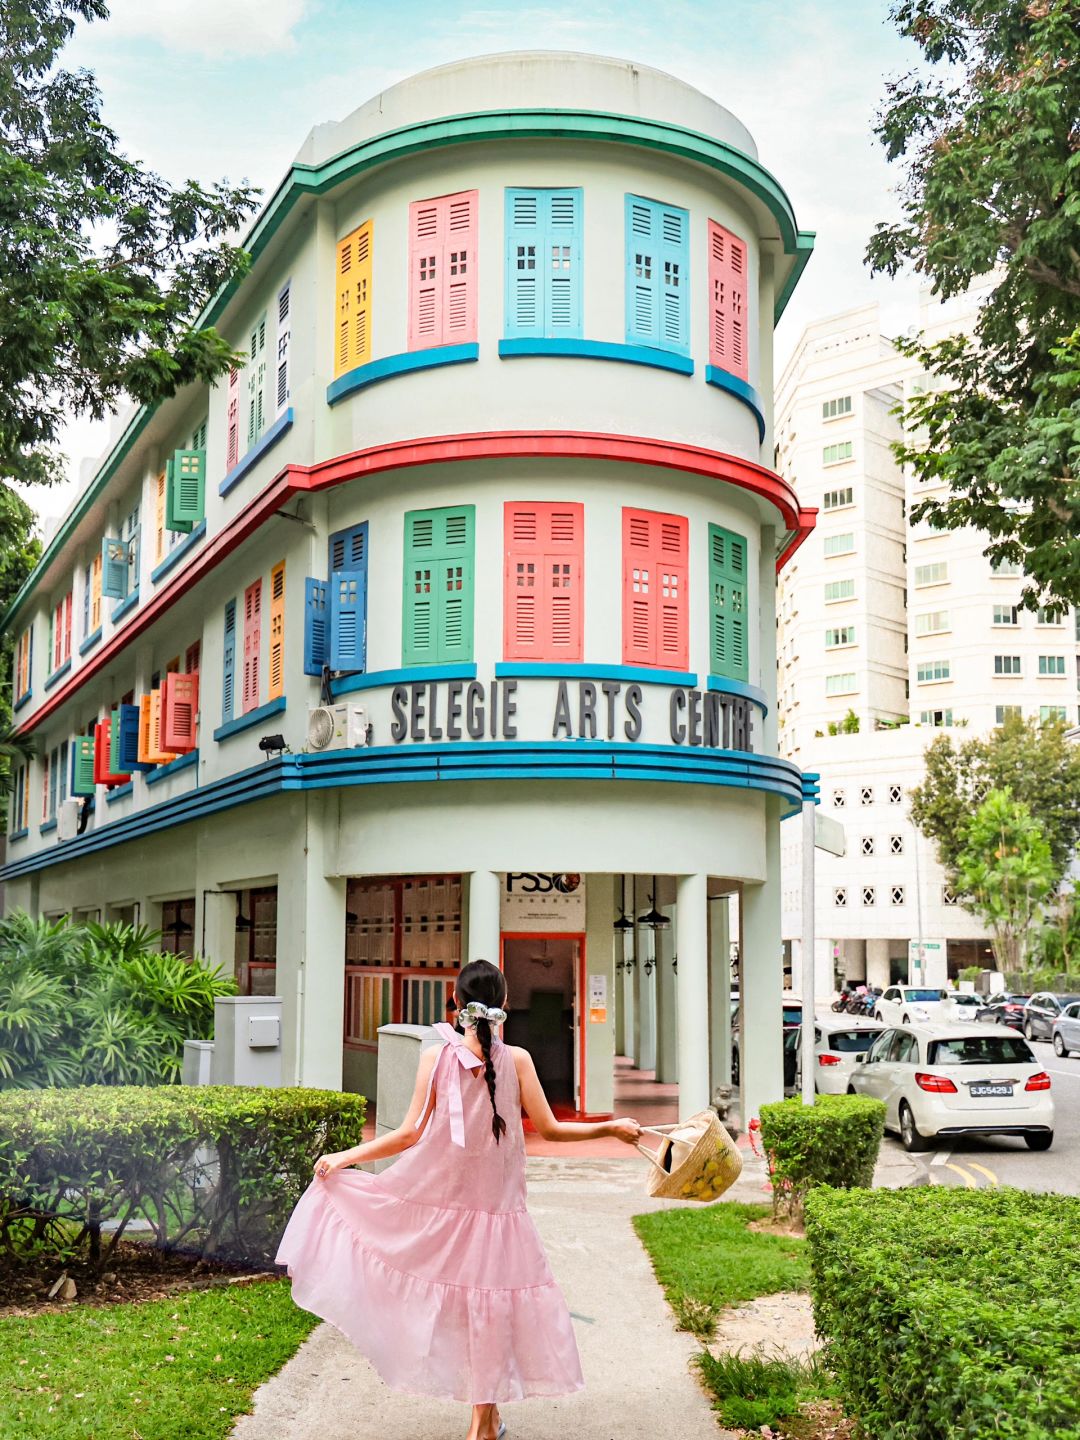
(910, 1005)
(838, 1040)
(961, 1007)
(943, 1080)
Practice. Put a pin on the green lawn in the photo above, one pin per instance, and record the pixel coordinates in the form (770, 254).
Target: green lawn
(171, 1369)
(707, 1259)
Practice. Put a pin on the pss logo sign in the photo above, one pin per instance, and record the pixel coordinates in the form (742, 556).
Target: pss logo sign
(543, 900)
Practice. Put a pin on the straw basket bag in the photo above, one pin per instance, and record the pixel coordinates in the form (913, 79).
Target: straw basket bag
(697, 1159)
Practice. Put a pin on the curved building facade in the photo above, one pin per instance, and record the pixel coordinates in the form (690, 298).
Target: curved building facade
(493, 487)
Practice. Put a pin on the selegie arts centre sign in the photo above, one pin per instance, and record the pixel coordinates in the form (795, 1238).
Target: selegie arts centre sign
(544, 709)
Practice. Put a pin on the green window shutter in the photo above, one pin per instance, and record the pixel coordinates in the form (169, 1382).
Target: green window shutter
(185, 490)
(115, 768)
(437, 617)
(82, 778)
(727, 604)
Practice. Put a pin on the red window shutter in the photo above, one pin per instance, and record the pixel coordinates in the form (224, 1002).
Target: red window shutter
(442, 270)
(542, 611)
(655, 611)
(252, 643)
(101, 753)
(728, 348)
(180, 706)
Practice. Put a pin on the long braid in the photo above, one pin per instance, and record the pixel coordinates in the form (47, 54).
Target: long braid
(483, 1034)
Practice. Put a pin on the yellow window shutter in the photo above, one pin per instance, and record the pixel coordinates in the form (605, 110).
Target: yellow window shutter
(352, 336)
(277, 632)
(159, 519)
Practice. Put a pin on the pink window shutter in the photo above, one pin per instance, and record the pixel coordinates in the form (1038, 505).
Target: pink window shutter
(542, 614)
(728, 347)
(655, 570)
(232, 443)
(460, 268)
(252, 639)
(639, 588)
(180, 705)
(442, 270)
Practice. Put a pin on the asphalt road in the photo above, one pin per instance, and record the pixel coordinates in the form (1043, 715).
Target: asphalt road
(983, 1162)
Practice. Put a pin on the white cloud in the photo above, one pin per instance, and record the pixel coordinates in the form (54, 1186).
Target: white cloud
(209, 27)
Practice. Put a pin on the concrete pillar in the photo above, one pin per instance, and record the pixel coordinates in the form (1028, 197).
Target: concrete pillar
(599, 962)
(693, 994)
(618, 951)
(626, 997)
(637, 957)
(667, 1028)
(720, 990)
(761, 1042)
(485, 893)
(646, 999)
(215, 925)
(877, 963)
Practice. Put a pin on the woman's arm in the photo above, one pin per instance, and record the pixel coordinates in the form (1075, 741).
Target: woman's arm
(403, 1138)
(538, 1110)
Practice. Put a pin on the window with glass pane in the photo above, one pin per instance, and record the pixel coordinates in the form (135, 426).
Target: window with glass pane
(836, 454)
(832, 409)
(840, 544)
(1051, 664)
(1007, 665)
(839, 499)
(933, 622)
(840, 635)
(936, 573)
(1006, 615)
(839, 590)
(840, 684)
(931, 670)
(1003, 712)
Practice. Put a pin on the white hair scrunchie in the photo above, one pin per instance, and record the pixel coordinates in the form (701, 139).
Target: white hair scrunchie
(475, 1010)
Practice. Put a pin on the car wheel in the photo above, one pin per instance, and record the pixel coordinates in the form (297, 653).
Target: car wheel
(851, 1090)
(913, 1140)
(879, 1017)
(1028, 1035)
(1040, 1140)
(906, 1020)
(1059, 1047)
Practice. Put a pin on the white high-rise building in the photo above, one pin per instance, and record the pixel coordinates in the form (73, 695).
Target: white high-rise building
(889, 632)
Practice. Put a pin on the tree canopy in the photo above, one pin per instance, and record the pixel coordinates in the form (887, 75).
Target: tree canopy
(104, 266)
(1005, 875)
(988, 133)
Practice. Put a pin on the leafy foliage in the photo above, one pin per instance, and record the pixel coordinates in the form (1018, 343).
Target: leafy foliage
(1035, 763)
(1005, 874)
(834, 1142)
(950, 1312)
(755, 1391)
(104, 267)
(97, 1004)
(987, 136)
(215, 1168)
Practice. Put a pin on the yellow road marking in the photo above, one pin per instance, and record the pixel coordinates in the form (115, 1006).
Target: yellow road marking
(969, 1180)
(984, 1171)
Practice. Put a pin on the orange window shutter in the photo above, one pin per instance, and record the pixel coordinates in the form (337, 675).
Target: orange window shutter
(159, 518)
(352, 336)
(158, 754)
(143, 752)
(277, 632)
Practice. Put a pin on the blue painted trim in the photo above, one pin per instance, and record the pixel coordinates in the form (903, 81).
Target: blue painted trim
(177, 553)
(90, 641)
(724, 380)
(597, 350)
(18, 835)
(118, 792)
(46, 826)
(411, 675)
(265, 442)
(121, 608)
(58, 674)
(394, 765)
(403, 364)
(253, 717)
(739, 687)
(630, 674)
(22, 700)
(181, 763)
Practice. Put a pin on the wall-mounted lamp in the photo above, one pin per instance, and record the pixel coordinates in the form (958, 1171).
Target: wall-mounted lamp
(272, 745)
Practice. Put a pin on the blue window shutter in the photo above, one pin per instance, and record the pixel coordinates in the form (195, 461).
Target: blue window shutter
(562, 263)
(524, 243)
(543, 262)
(657, 275)
(129, 740)
(673, 226)
(348, 549)
(348, 597)
(228, 664)
(115, 557)
(316, 627)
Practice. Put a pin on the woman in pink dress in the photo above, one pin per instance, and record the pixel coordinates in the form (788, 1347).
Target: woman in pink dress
(433, 1268)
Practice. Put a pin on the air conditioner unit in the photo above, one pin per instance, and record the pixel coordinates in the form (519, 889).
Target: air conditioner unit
(337, 727)
(67, 819)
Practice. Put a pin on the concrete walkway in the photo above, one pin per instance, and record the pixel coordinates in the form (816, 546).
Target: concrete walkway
(639, 1383)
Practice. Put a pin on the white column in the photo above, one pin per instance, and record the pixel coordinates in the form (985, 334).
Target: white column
(667, 1030)
(646, 1000)
(625, 981)
(808, 987)
(720, 989)
(761, 1042)
(877, 963)
(485, 892)
(693, 994)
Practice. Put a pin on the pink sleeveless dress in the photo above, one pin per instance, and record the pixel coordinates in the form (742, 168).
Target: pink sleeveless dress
(434, 1268)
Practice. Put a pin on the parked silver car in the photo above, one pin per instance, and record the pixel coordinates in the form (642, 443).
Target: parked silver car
(1066, 1032)
(1041, 1011)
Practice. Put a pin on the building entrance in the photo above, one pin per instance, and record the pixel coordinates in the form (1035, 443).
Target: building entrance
(542, 983)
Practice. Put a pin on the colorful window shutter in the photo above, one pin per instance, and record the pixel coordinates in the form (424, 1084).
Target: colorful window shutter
(542, 609)
(438, 611)
(95, 592)
(727, 604)
(352, 340)
(228, 670)
(276, 686)
(128, 748)
(160, 489)
(657, 275)
(252, 644)
(655, 623)
(442, 270)
(727, 302)
(115, 563)
(232, 411)
(82, 771)
(157, 752)
(186, 491)
(543, 262)
(256, 370)
(114, 742)
(347, 596)
(144, 750)
(66, 605)
(316, 651)
(281, 360)
(86, 602)
(180, 707)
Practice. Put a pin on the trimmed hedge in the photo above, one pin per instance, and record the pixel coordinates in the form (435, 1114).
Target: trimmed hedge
(214, 1168)
(833, 1142)
(950, 1313)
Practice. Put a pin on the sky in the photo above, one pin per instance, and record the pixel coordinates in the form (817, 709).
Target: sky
(214, 89)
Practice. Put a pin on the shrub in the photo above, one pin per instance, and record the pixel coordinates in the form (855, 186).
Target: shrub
(834, 1142)
(950, 1313)
(97, 1004)
(214, 1168)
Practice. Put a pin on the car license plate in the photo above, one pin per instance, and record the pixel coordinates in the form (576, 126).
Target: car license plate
(990, 1091)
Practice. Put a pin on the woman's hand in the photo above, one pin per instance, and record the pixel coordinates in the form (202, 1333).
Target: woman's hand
(626, 1129)
(327, 1164)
